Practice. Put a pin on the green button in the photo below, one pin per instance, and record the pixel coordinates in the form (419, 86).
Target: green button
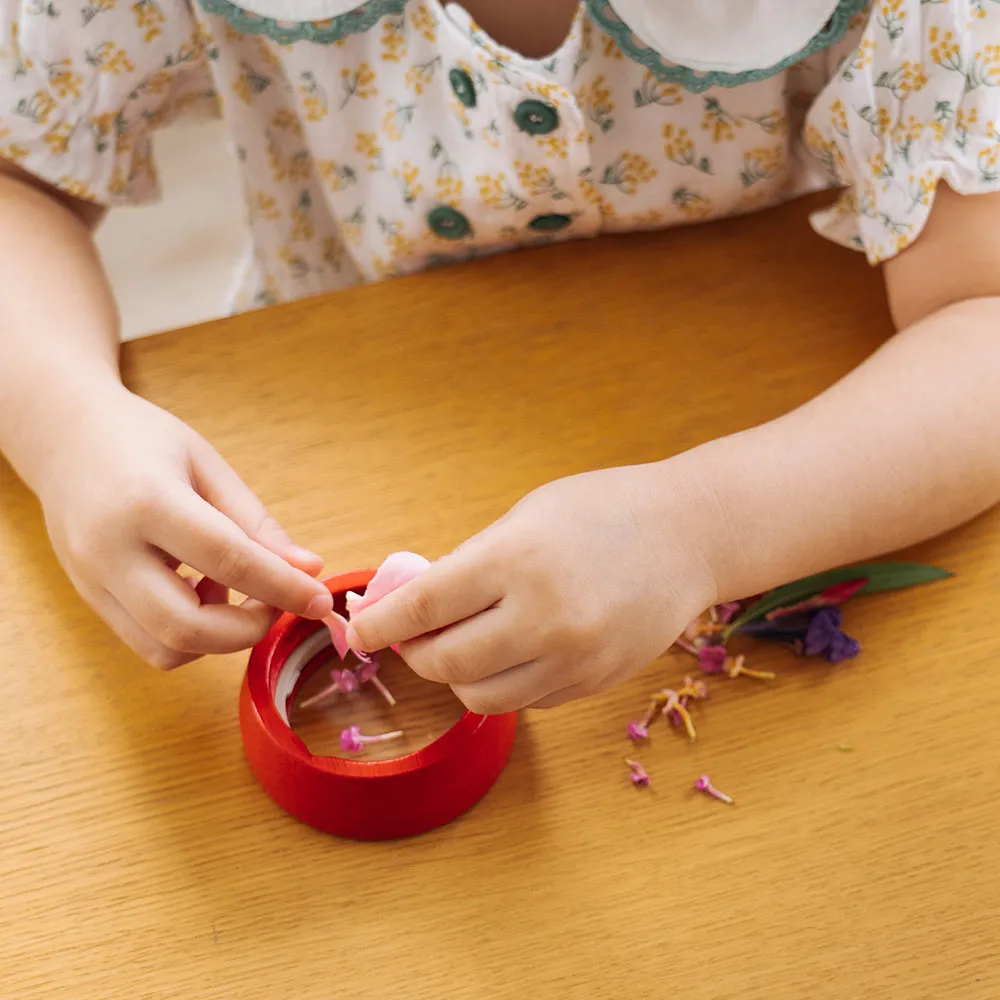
(536, 117)
(449, 224)
(465, 89)
(550, 223)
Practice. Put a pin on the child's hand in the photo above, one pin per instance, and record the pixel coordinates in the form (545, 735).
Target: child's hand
(583, 583)
(130, 492)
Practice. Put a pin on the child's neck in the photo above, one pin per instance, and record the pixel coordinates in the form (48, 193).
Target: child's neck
(534, 28)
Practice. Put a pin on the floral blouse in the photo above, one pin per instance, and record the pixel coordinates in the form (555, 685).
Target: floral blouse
(395, 135)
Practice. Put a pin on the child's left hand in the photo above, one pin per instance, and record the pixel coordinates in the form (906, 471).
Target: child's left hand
(584, 582)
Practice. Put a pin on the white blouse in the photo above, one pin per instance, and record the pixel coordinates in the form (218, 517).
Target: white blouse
(385, 137)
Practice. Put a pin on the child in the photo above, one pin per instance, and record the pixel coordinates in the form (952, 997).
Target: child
(382, 137)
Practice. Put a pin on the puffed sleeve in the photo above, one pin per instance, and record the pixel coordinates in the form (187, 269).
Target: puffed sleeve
(84, 84)
(916, 102)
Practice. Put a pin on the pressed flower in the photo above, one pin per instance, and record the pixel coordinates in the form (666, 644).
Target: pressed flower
(368, 674)
(824, 638)
(727, 611)
(342, 682)
(637, 730)
(735, 667)
(639, 775)
(712, 659)
(704, 784)
(352, 740)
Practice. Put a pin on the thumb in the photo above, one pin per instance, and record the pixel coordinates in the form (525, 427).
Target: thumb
(219, 485)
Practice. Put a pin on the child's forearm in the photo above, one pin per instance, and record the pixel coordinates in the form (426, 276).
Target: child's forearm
(903, 448)
(58, 322)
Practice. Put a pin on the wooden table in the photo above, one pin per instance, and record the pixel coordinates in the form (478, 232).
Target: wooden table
(139, 859)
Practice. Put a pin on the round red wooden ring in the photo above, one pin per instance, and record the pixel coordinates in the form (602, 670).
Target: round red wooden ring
(362, 800)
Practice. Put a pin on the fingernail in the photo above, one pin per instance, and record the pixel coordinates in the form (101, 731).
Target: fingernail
(318, 607)
(353, 641)
(304, 555)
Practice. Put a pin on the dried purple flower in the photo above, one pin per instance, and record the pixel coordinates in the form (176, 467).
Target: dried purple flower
(352, 740)
(637, 730)
(712, 659)
(639, 776)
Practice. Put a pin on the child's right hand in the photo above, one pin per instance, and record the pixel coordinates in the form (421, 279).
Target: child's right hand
(129, 493)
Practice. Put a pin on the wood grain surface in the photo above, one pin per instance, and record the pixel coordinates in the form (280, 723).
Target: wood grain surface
(138, 858)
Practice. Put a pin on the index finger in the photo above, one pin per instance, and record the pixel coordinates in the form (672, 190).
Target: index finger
(197, 534)
(449, 591)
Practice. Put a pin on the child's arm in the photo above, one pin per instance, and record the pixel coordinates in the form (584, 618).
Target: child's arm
(590, 578)
(128, 490)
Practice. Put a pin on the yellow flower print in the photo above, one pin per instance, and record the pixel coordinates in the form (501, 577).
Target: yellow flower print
(491, 134)
(838, 117)
(358, 83)
(409, 177)
(418, 77)
(556, 147)
(338, 176)
(987, 161)
(985, 69)
(762, 164)
(63, 80)
(367, 144)
(393, 39)
(904, 135)
(881, 169)
(906, 79)
(891, 15)
(37, 108)
(264, 206)
(76, 189)
(333, 253)
(424, 21)
(598, 105)
(879, 119)
(95, 7)
(922, 189)
(628, 173)
(395, 238)
(861, 59)
(13, 152)
(691, 204)
(943, 114)
(57, 138)
(287, 121)
(719, 122)
(249, 83)
(650, 219)
(497, 193)
(654, 91)
(945, 49)
(148, 18)
(314, 101)
(110, 59)
(538, 181)
(302, 224)
(547, 91)
(679, 148)
(297, 265)
(611, 49)
(353, 227)
(963, 125)
(267, 54)
(592, 196)
(448, 189)
(397, 117)
(299, 167)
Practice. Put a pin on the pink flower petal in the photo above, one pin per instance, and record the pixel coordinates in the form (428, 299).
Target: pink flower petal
(399, 568)
(337, 624)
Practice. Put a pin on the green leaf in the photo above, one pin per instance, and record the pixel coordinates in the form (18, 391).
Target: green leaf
(880, 576)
